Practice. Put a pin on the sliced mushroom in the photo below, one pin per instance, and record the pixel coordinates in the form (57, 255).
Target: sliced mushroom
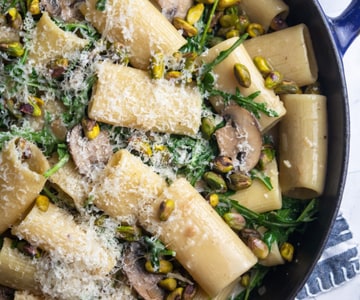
(143, 282)
(240, 138)
(67, 10)
(173, 8)
(88, 154)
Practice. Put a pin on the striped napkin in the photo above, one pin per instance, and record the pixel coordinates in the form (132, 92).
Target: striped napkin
(338, 263)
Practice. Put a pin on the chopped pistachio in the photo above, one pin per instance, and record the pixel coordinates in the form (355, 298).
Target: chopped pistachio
(42, 202)
(168, 284)
(287, 251)
(166, 208)
(165, 267)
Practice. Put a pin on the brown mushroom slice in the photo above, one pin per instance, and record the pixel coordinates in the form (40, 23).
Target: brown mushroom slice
(143, 282)
(173, 8)
(88, 154)
(240, 138)
(67, 10)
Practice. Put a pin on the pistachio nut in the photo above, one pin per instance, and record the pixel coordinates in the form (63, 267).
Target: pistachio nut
(207, 127)
(176, 294)
(258, 247)
(194, 13)
(165, 267)
(235, 220)
(255, 29)
(222, 164)
(287, 87)
(42, 202)
(287, 251)
(166, 208)
(262, 65)
(242, 75)
(188, 29)
(168, 283)
(238, 181)
(215, 181)
(273, 79)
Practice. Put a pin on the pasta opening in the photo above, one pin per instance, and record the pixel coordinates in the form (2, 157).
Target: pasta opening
(302, 193)
(313, 68)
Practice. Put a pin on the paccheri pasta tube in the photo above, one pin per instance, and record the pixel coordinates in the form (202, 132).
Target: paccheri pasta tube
(138, 25)
(265, 11)
(303, 146)
(56, 232)
(124, 184)
(258, 197)
(289, 51)
(198, 234)
(68, 180)
(128, 97)
(21, 167)
(17, 270)
(226, 80)
(51, 42)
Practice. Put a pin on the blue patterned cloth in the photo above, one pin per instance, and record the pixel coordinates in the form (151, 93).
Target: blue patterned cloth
(338, 263)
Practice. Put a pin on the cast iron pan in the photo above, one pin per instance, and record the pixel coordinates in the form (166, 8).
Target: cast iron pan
(331, 38)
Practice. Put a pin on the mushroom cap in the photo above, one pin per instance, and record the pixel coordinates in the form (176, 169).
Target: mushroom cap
(143, 282)
(240, 138)
(88, 154)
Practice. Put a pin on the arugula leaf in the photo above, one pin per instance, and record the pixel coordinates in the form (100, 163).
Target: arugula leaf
(100, 5)
(64, 157)
(191, 156)
(255, 173)
(157, 249)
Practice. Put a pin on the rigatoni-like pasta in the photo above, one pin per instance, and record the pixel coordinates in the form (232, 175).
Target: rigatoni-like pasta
(124, 184)
(289, 51)
(56, 232)
(51, 42)
(16, 270)
(125, 96)
(21, 167)
(68, 180)
(226, 80)
(198, 234)
(264, 11)
(303, 146)
(138, 25)
(258, 197)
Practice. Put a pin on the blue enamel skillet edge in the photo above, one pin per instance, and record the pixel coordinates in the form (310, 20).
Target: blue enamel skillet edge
(331, 38)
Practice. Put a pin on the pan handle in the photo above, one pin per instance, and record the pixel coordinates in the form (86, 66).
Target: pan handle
(346, 27)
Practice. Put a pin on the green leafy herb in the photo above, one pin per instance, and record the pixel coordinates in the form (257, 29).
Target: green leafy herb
(64, 157)
(257, 275)
(191, 156)
(222, 56)
(246, 102)
(157, 249)
(100, 5)
(255, 173)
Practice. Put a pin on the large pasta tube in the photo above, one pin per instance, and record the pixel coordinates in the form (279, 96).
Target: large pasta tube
(258, 197)
(204, 244)
(128, 97)
(226, 80)
(68, 180)
(264, 11)
(303, 146)
(124, 184)
(21, 167)
(16, 269)
(138, 25)
(289, 51)
(50, 42)
(55, 231)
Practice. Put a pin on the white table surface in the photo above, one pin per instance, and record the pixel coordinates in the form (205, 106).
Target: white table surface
(350, 206)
